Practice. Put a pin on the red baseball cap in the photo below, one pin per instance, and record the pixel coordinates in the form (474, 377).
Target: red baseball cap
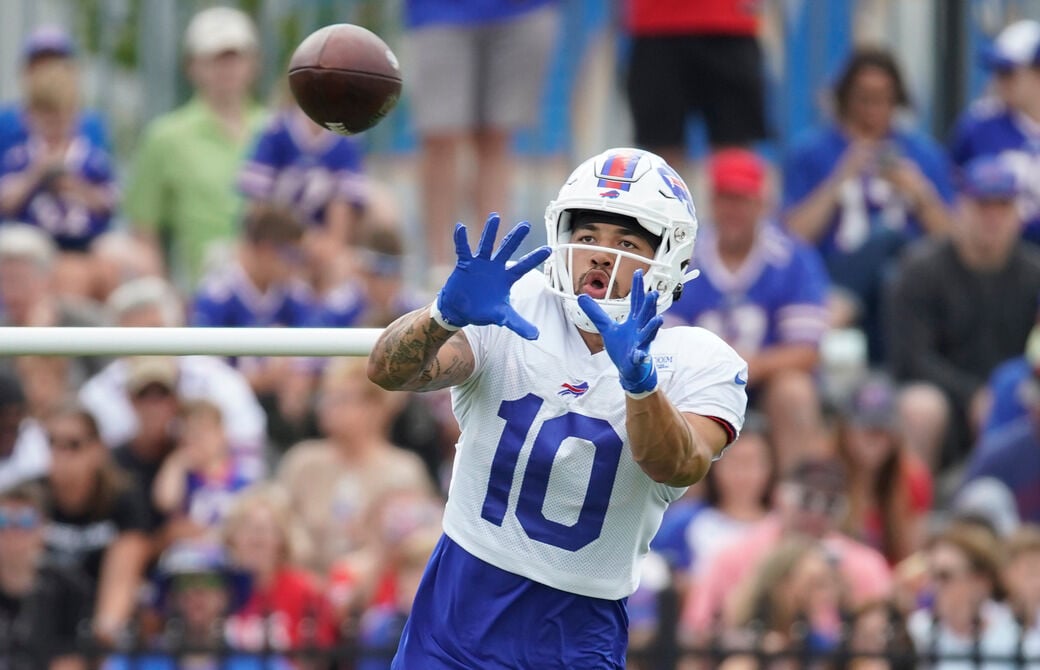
(737, 171)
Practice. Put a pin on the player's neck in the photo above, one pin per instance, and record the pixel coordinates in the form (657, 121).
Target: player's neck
(592, 340)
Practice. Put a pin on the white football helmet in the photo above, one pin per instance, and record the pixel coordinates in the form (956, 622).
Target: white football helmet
(629, 182)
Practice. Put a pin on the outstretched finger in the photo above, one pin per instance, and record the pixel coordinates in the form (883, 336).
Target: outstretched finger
(648, 332)
(595, 313)
(635, 295)
(462, 243)
(530, 261)
(487, 238)
(512, 241)
(647, 309)
(519, 325)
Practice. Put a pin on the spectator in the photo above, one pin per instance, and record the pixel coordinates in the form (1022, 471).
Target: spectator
(23, 444)
(285, 610)
(476, 76)
(698, 56)
(1012, 456)
(1009, 385)
(27, 291)
(737, 493)
(42, 606)
(122, 256)
(298, 164)
(56, 179)
(45, 45)
(199, 480)
(97, 522)
(181, 190)
(862, 186)
(47, 381)
(198, 592)
(959, 307)
(152, 387)
(260, 288)
(966, 616)
(334, 481)
(765, 294)
(1004, 124)
(150, 302)
(794, 600)
(381, 625)
(890, 488)
(1022, 576)
(810, 501)
(878, 628)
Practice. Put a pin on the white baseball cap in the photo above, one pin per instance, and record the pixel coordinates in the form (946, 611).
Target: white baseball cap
(1017, 45)
(219, 29)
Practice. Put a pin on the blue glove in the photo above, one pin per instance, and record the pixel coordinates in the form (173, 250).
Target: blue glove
(628, 343)
(477, 291)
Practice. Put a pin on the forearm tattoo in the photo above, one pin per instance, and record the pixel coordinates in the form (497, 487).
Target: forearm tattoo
(408, 355)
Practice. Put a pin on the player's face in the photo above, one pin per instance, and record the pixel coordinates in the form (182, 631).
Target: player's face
(591, 268)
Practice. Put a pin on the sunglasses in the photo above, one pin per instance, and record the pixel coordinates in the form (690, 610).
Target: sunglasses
(945, 576)
(23, 519)
(68, 444)
(821, 502)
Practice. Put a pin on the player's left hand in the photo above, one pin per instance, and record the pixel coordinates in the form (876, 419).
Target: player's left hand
(628, 343)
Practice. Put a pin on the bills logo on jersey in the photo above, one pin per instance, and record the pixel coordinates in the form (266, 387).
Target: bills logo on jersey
(619, 170)
(676, 186)
(610, 194)
(573, 390)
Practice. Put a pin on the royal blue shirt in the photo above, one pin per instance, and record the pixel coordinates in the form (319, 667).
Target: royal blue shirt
(68, 220)
(307, 172)
(1006, 387)
(989, 128)
(872, 202)
(778, 296)
(1012, 455)
(14, 130)
(227, 298)
(419, 13)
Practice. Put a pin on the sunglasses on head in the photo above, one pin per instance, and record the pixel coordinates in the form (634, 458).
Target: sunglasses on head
(72, 444)
(23, 519)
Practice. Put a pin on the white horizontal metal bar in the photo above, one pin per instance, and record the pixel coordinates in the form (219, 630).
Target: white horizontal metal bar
(111, 341)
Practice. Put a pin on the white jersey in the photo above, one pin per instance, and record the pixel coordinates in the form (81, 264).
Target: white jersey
(544, 484)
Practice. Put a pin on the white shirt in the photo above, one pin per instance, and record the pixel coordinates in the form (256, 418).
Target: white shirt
(999, 637)
(30, 459)
(544, 484)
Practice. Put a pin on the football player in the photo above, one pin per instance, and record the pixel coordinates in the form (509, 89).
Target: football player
(581, 420)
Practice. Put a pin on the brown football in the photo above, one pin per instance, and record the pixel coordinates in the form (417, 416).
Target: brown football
(345, 78)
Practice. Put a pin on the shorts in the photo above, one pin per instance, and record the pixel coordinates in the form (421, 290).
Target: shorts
(489, 75)
(719, 77)
(470, 614)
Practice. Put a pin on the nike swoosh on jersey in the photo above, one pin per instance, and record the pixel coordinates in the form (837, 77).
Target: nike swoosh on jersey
(739, 381)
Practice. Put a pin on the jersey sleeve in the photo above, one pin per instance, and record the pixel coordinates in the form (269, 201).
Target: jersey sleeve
(256, 180)
(803, 318)
(710, 379)
(208, 309)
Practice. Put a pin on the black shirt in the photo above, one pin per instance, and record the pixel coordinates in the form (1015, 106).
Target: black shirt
(45, 623)
(80, 540)
(143, 474)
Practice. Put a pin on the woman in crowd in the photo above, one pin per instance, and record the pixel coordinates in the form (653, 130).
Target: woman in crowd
(890, 488)
(966, 617)
(286, 609)
(792, 608)
(98, 519)
(860, 187)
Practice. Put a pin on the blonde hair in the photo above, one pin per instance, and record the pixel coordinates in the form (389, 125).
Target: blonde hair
(53, 86)
(276, 499)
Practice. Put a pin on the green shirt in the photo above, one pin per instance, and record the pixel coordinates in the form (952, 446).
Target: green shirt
(183, 184)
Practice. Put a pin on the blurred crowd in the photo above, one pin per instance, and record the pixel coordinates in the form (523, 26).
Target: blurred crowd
(883, 285)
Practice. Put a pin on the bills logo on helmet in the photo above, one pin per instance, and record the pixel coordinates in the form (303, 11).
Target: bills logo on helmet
(619, 169)
(574, 390)
(610, 194)
(676, 186)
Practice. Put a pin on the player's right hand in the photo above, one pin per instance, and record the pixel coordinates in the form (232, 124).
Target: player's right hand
(477, 291)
